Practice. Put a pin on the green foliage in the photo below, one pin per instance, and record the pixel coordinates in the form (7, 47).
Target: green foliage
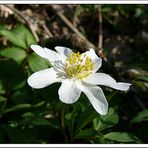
(86, 117)
(142, 116)
(17, 107)
(2, 90)
(3, 102)
(86, 134)
(104, 122)
(143, 78)
(14, 53)
(37, 63)
(38, 116)
(121, 137)
(19, 36)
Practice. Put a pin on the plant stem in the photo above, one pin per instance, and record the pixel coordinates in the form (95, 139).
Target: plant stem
(100, 40)
(63, 124)
(100, 35)
(72, 27)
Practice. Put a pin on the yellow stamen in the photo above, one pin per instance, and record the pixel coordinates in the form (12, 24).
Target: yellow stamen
(77, 67)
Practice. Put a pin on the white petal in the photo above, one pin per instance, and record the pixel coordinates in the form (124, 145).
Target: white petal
(46, 53)
(104, 79)
(63, 51)
(43, 78)
(96, 98)
(120, 86)
(69, 92)
(99, 78)
(95, 59)
(39, 50)
(52, 55)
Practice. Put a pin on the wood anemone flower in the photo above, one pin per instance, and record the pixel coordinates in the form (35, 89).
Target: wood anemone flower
(77, 73)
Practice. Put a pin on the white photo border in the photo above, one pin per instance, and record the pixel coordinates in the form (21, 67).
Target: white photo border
(73, 2)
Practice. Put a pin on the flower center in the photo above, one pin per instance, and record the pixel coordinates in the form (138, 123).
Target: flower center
(78, 66)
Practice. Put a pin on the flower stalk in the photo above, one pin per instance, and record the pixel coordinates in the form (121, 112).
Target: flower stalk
(63, 124)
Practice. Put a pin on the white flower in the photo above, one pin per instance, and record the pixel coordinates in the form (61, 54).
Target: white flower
(77, 73)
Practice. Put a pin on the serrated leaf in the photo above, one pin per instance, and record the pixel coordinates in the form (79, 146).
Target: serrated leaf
(27, 36)
(102, 122)
(37, 63)
(14, 38)
(14, 53)
(19, 36)
(121, 137)
(142, 116)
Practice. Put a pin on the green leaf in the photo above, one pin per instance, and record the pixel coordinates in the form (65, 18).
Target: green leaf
(138, 66)
(37, 63)
(2, 104)
(19, 135)
(111, 95)
(19, 36)
(17, 107)
(143, 78)
(85, 118)
(87, 133)
(139, 84)
(3, 26)
(45, 122)
(104, 122)
(2, 99)
(27, 36)
(14, 53)
(2, 90)
(121, 137)
(39, 104)
(142, 116)
(19, 80)
(14, 38)
(40, 121)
